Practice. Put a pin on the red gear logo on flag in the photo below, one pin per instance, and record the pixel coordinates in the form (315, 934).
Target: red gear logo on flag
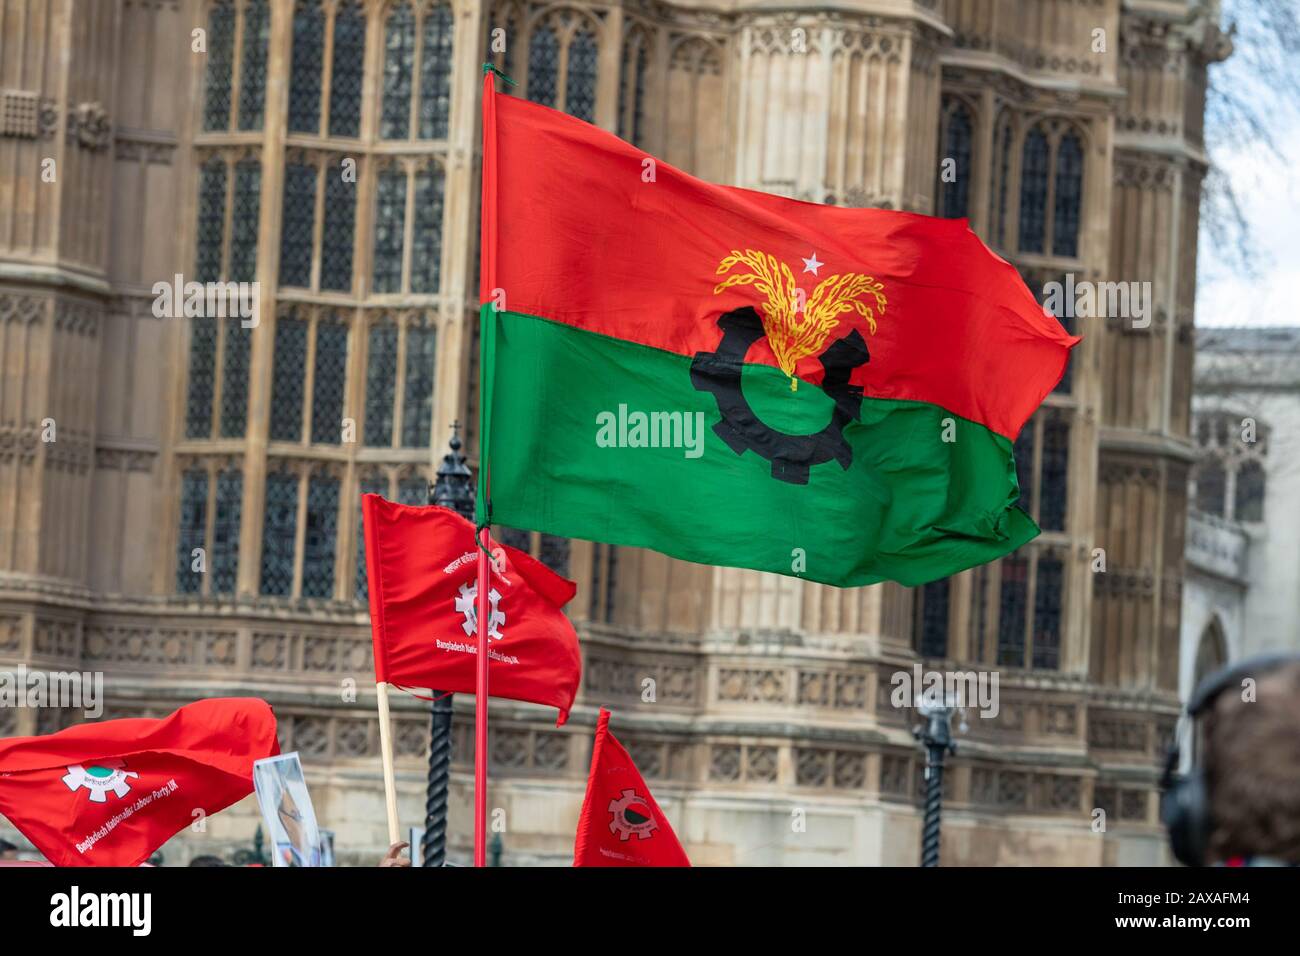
(626, 821)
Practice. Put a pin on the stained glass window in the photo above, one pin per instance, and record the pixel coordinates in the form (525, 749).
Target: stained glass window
(580, 83)
(435, 72)
(426, 254)
(225, 531)
(1249, 497)
(370, 485)
(1033, 191)
(221, 54)
(955, 195)
(1047, 612)
(202, 378)
(211, 220)
(234, 379)
(417, 404)
(932, 625)
(631, 95)
(1011, 615)
(322, 534)
(305, 73)
(296, 225)
(252, 78)
(193, 523)
(337, 235)
(413, 490)
(390, 221)
(1024, 453)
(328, 383)
(243, 224)
(347, 69)
(543, 65)
(399, 65)
(279, 533)
(289, 367)
(1068, 196)
(381, 385)
(1003, 171)
(1054, 487)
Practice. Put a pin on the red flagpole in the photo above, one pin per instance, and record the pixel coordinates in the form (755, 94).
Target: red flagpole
(481, 701)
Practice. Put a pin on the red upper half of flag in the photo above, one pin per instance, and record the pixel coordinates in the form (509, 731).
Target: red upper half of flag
(110, 793)
(422, 572)
(585, 229)
(620, 823)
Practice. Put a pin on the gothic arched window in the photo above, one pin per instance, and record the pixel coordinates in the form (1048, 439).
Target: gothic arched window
(234, 379)
(288, 371)
(370, 485)
(931, 618)
(252, 75)
(279, 534)
(580, 81)
(426, 249)
(193, 529)
(202, 378)
(1068, 196)
(390, 235)
(1012, 605)
(417, 405)
(1055, 475)
(1002, 170)
(953, 190)
(338, 233)
(328, 383)
(413, 490)
(1211, 486)
(1048, 598)
(220, 65)
(243, 221)
(320, 540)
(225, 531)
(543, 65)
(381, 385)
(211, 220)
(435, 72)
(305, 69)
(399, 66)
(631, 89)
(1034, 171)
(297, 221)
(1248, 500)
(347, 69)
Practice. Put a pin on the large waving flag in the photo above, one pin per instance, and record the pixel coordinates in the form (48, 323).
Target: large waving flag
(420, 568)
(739, 379)
(620, 823)
(110, 793)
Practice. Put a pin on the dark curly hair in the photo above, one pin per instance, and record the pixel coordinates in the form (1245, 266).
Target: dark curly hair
(1252, 770)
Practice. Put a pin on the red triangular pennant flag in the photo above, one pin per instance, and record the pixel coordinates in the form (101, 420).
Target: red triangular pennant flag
(110, 793)
(421, 567)
(621, 825)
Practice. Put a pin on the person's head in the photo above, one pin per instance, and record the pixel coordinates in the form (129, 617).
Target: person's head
(8, 851)
(1251, 768)
(207, 861)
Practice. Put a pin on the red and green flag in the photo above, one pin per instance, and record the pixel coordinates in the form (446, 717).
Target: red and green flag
(739, 379)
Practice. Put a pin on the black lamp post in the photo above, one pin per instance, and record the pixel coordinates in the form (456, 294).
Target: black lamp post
(935, 736)
(453, 489)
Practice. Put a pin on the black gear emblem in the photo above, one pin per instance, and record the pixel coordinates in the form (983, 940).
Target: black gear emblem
(719, 372)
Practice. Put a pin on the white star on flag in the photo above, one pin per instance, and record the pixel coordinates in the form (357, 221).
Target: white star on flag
(812, 265)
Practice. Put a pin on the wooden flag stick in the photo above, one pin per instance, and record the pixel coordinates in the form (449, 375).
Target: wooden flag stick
(386, 750)
(481, 700)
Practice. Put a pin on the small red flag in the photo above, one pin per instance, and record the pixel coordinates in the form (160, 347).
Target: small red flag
(110, 793)
(621, 825)
(421, 567)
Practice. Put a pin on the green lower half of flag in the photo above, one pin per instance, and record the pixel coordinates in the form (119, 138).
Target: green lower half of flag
(716, 461)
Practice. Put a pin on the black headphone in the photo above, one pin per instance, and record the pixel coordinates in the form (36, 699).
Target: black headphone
(1184, 799)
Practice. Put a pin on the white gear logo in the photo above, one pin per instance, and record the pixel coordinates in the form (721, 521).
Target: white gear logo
(626, 822)
(100, 779)
(467, 605)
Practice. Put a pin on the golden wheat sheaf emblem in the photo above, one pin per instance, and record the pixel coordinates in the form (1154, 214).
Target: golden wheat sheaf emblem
(796, 325)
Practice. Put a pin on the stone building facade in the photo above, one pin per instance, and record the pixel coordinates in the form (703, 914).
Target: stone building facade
(327, 149)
